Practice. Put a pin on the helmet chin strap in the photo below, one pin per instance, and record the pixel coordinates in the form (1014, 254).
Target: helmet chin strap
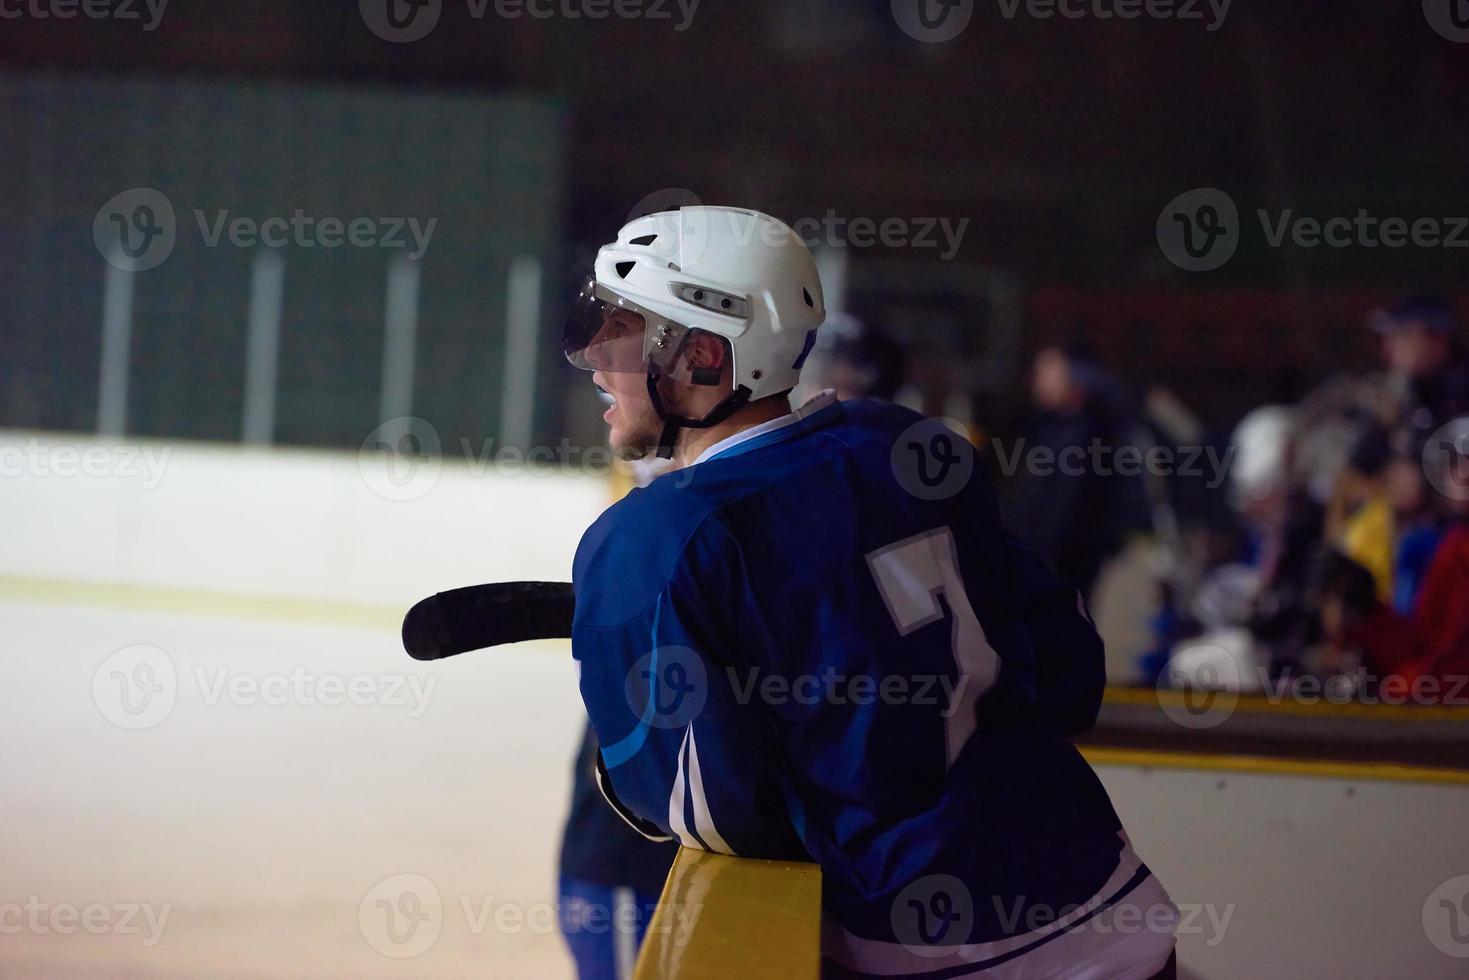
(672, 423)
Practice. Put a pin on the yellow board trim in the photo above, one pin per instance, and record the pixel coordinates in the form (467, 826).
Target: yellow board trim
(722, 916)
(378, 616)
(200, 602)
(1268, 766)
(1147, 697)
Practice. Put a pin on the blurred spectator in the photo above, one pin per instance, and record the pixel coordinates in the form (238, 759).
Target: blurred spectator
(857, 359)
(1360, 517)
(1432, 642)
(1076, 516)
(1419, 526)
(1425, 359)
(932, 386)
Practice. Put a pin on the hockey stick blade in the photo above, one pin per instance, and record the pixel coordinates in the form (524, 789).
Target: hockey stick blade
(479, 616)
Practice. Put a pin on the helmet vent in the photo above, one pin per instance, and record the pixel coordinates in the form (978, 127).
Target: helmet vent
(643, 240)
(623, 268)
(809, 301)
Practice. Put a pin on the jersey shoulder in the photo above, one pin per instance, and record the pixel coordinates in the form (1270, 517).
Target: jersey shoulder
(675, 524)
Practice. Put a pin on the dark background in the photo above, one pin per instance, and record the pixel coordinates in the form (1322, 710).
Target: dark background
(1060, 140)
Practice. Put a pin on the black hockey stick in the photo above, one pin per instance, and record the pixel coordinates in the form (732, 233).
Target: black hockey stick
(478, 616)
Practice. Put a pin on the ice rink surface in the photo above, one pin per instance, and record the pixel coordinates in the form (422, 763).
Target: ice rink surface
(217, 761)
(242, 825)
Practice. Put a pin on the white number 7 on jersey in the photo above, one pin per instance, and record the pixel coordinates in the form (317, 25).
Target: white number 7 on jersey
(910, 574)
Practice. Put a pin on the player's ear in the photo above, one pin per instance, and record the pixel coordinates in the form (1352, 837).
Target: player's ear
(706, 356)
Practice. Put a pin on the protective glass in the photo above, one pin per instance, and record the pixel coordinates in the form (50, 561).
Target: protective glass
(610, 333)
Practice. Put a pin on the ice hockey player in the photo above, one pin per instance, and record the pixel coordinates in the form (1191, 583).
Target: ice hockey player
(814, 639)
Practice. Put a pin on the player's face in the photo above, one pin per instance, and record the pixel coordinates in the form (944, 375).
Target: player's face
(635, 426)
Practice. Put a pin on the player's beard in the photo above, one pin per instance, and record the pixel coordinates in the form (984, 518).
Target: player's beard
(636, 428)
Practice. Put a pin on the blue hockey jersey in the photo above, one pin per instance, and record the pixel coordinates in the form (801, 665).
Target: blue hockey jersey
(821, 643)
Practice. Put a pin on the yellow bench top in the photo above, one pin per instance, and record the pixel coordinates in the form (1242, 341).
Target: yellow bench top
(723, 916)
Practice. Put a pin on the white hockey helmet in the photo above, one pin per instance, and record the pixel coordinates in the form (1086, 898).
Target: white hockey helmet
(731, 272)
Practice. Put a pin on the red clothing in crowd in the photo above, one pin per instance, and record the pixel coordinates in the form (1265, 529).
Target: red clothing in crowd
(1434, 641)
